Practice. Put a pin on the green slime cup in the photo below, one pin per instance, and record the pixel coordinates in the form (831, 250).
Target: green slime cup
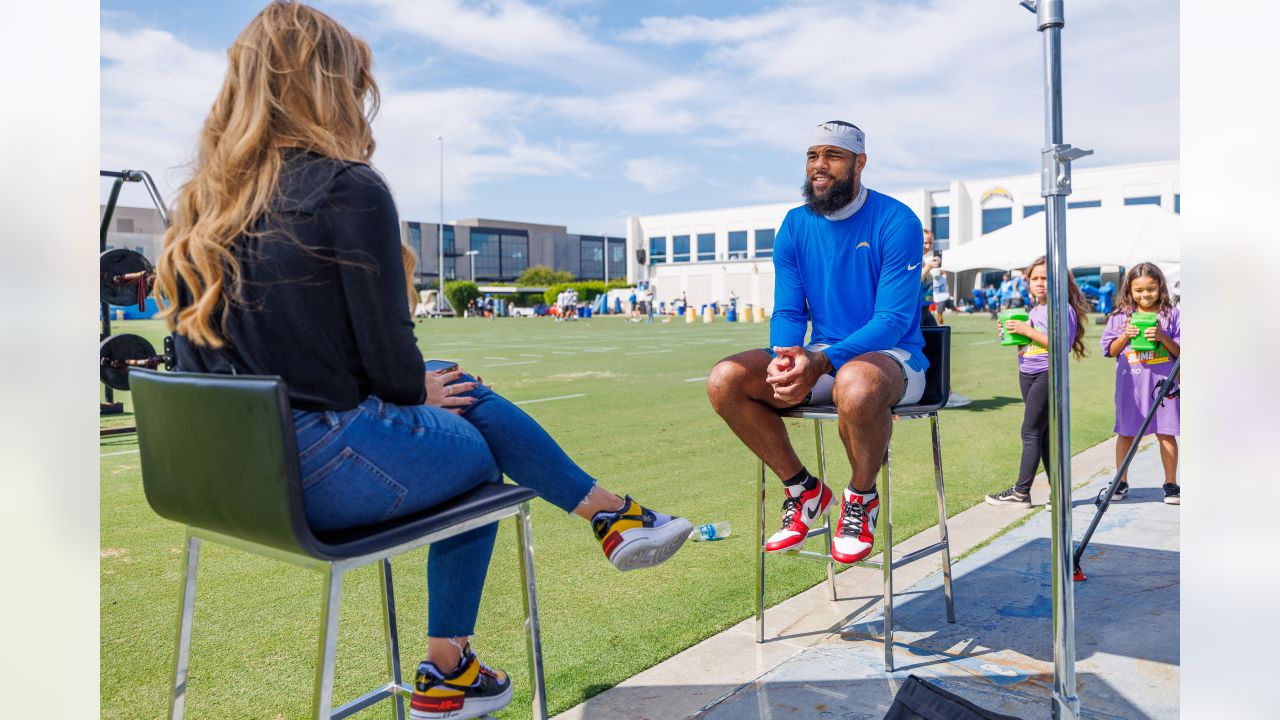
(1008, 338)
(1142, 321)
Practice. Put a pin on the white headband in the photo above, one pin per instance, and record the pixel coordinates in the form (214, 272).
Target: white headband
(845, 136)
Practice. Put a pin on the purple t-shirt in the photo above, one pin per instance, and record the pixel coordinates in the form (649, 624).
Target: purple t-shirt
(1138, 373)
(1033, 359)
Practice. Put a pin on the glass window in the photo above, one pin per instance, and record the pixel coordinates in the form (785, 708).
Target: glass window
(764, 242)
(1084, 204)
(451, 268)
(940, 224)
(488, 261)
(679, 248)
(1177, 203)
(738, 245)
(617, 257)
(1029, 210)
(448, 241)
(515, 256)
(590, 258)
(1148, 200)
(706, 246)
(140, 251)
(657, 250)
(995, 218)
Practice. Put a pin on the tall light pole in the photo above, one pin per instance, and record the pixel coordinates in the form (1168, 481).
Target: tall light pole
(1055, 186)
(441, 302)
(604, 245)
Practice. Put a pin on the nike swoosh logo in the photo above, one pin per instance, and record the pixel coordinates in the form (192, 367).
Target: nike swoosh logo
(811, 508)
(913, 267)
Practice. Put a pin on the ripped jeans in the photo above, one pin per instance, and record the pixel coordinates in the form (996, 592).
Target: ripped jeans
(380, 461)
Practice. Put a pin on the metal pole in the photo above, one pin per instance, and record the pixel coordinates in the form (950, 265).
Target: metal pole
(441, 301)
(1055, 185)
(604, 245)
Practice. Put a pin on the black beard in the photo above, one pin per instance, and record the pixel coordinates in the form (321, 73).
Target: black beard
(840, 194)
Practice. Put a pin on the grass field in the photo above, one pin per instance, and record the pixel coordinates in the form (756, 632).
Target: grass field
(628, 402)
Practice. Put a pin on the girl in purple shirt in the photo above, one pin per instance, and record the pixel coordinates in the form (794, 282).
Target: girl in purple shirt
(1033, 377)
(1138, 373)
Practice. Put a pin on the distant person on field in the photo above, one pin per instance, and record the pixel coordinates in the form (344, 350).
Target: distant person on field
(297, 270)
(847, 263)
(1033, 377)
(1138, 372)
(928, 263)
(941, 293)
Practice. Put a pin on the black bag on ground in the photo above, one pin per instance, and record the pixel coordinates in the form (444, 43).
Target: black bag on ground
(919, 700)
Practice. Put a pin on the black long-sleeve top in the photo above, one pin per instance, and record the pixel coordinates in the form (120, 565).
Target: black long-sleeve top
(323, 303)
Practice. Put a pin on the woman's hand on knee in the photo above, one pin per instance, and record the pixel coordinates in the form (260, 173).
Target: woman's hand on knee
(443, 391)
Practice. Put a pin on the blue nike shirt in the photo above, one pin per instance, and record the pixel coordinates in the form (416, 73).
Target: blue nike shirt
(857, 280)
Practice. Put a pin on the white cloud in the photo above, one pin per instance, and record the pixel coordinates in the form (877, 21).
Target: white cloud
(511, 32)
(696, 29)
(483, 143)
(156, 92)
(660, 175)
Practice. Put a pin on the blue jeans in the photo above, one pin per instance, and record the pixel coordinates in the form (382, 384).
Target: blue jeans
(380, 461)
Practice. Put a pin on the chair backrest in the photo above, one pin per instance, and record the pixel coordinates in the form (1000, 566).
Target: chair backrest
(937, 379)
(219, 453)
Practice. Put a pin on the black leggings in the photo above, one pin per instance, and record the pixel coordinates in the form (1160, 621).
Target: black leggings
(1035, 428)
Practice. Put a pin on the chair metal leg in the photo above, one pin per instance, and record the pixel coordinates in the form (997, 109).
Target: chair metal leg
(760, 561)
(393, 639)
(822, 477)
(322, 705)
(186, 614)
(533, 632)
(942, 518)
(886, 539)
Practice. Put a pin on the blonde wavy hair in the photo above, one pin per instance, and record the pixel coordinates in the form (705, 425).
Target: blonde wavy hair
(295, 79)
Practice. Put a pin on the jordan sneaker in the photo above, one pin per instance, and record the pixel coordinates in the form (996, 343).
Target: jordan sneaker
(636, 537)
(471, 691)
(800, 511)
(856, 532)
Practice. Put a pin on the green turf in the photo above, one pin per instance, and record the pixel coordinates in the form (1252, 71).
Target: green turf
(643, 426)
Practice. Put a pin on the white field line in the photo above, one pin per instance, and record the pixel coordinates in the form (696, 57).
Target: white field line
(649, 352)
(558, 397)
(529, 355)
(122, 452)
(704, 377)
(508, 364)
(983, 342)
(495, 357)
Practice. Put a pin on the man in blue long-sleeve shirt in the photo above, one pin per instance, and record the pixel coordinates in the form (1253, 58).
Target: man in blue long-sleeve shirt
(848, 263)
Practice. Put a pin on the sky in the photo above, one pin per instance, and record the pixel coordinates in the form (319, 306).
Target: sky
(583, 112)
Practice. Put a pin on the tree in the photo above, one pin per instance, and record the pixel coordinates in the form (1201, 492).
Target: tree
(460, 294)
(543, 276)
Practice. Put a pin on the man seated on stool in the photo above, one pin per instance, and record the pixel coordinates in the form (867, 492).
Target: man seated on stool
(848, 261)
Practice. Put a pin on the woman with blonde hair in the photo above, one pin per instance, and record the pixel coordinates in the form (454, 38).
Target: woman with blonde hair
(284, 258)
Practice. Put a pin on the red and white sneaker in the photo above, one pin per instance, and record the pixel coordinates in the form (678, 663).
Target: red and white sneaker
(856, 531)
(798, 513)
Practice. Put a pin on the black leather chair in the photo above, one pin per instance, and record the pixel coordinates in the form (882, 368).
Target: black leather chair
(937, 349)
(219, 455)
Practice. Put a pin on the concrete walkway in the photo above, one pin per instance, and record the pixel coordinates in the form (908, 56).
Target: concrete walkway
(824, 659)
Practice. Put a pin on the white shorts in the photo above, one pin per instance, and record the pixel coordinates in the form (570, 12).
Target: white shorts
(913, 380)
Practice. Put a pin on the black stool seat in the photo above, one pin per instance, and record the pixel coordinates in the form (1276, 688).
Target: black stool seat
(475, 503)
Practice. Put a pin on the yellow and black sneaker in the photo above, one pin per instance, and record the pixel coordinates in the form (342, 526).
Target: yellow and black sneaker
(636, 537)
(471, 691)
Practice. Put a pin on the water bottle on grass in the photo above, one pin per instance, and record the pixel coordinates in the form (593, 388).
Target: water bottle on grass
(711, 531)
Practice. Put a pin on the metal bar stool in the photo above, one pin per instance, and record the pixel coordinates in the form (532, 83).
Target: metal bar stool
(937, 349)
(219, 455)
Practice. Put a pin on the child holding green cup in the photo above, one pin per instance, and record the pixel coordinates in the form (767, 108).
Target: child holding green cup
(1144, 334)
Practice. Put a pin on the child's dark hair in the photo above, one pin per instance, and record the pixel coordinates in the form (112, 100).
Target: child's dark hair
(1077, 301)
(1124, 300)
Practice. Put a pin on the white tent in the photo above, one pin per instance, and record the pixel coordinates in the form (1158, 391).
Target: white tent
(1123, 236)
